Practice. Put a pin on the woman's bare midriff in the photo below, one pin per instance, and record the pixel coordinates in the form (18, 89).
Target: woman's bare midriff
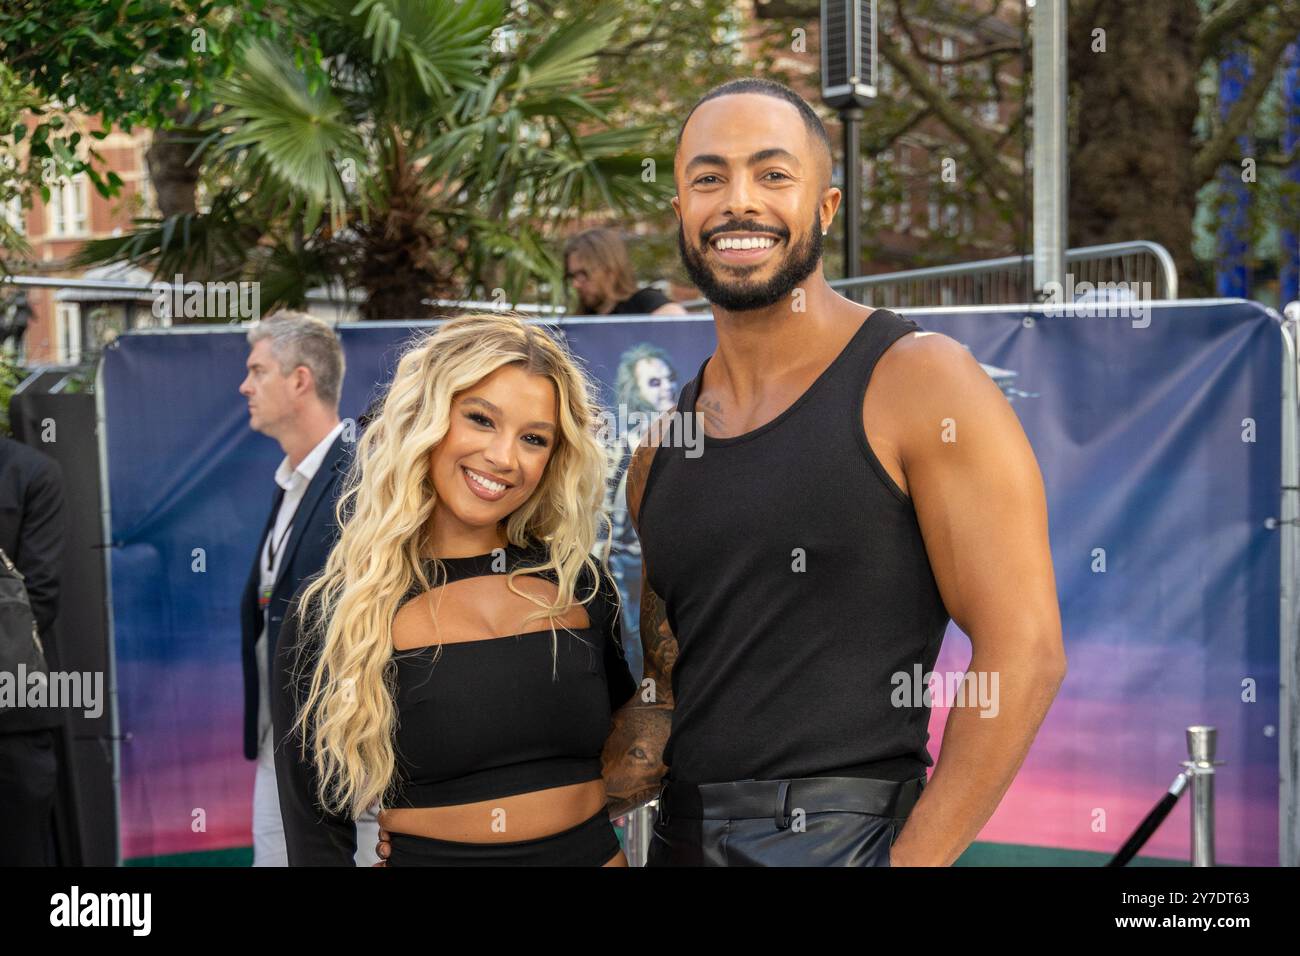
(523, 816)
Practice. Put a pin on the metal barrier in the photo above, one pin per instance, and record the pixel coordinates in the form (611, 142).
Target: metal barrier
(1288, 525)
(1200, 767)
(1145, 269)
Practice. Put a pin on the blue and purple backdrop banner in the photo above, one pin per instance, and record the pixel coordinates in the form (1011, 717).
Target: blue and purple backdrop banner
(1159, 443)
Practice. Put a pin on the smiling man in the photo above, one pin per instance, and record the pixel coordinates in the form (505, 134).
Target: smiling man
(861, 482)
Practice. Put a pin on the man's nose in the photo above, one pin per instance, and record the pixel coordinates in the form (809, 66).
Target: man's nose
(741, 199)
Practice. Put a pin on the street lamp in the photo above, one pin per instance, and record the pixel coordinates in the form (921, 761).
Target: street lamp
(848, 85)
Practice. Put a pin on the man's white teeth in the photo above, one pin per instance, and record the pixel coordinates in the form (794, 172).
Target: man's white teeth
(746, 243)
(491, 486)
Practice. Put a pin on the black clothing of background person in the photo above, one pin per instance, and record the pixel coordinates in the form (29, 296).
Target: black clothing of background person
(32, 534)
(642, 302)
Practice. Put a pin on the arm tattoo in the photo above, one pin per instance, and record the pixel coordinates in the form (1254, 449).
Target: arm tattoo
(632, 760)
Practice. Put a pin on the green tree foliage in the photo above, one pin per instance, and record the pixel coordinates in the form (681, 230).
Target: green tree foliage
(414, 149)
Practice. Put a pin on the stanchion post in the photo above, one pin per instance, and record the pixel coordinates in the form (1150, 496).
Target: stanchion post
(1200, 767)
(636, 834)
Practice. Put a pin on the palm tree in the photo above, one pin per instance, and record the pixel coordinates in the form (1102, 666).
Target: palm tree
(412, 149)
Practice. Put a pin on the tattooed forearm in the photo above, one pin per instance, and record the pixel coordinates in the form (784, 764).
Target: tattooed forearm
(632, 759)
(658, 643)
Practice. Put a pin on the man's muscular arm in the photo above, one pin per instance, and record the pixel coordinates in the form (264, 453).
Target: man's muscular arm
(633, 754)
(982, 510)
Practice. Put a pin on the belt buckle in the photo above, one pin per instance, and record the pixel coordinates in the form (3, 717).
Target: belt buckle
(782, 815)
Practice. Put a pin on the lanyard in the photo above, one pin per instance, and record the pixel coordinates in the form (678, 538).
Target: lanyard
(272, 546)
(264, 595)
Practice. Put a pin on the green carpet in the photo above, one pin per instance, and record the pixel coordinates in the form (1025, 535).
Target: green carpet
(978, 854)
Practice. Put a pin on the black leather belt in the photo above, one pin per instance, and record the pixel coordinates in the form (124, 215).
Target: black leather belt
(779, 799)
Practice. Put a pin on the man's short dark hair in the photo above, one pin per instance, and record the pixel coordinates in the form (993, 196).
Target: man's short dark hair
(766, 88)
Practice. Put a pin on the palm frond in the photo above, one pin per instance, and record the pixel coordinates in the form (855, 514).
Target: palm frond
(212, 245)
(298, 129)
(565, 58)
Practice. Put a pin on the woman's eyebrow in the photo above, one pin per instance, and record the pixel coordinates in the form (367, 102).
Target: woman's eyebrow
(475, 400)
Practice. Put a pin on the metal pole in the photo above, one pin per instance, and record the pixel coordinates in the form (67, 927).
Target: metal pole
(106, 529)
(1289, 723)
(852, 120)
(1200, 751)
(636, 835)
(1051, 167)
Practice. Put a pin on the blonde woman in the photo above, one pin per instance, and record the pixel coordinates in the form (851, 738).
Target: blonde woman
(458, 658)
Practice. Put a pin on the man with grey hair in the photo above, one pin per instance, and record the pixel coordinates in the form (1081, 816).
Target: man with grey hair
(295, 375)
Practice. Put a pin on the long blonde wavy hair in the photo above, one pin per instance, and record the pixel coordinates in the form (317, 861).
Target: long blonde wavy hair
(349, 714)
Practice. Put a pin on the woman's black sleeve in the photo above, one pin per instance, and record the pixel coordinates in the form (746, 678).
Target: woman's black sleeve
(618, 676)
(312, 836)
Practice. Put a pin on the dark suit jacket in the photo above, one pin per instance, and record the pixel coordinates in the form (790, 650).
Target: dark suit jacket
(31, 533)
(314, 533)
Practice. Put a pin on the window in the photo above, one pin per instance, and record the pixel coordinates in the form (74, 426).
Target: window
(67, 320)
(945, 74)
(67, 207)
(13, 213)
(945, 219)
(905, 211)
(951, 218)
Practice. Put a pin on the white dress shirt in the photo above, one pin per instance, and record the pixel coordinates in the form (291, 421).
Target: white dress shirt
(294, 481)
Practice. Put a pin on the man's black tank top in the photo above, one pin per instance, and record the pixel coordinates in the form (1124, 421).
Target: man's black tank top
(797, 585)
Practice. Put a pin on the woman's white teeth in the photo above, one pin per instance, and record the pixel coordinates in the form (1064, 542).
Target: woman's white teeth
(746, 243)
(491, 486)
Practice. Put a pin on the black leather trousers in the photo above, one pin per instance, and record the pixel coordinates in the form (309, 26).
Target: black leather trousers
(810, 821)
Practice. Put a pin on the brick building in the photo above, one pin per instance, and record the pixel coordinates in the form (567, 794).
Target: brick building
(62, 329)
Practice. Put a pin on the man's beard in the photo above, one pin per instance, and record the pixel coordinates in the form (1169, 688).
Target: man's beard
(727, 293)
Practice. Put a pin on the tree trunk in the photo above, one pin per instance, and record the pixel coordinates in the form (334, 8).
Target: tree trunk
(1133, 145)
(174, 182)
(397, 267)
